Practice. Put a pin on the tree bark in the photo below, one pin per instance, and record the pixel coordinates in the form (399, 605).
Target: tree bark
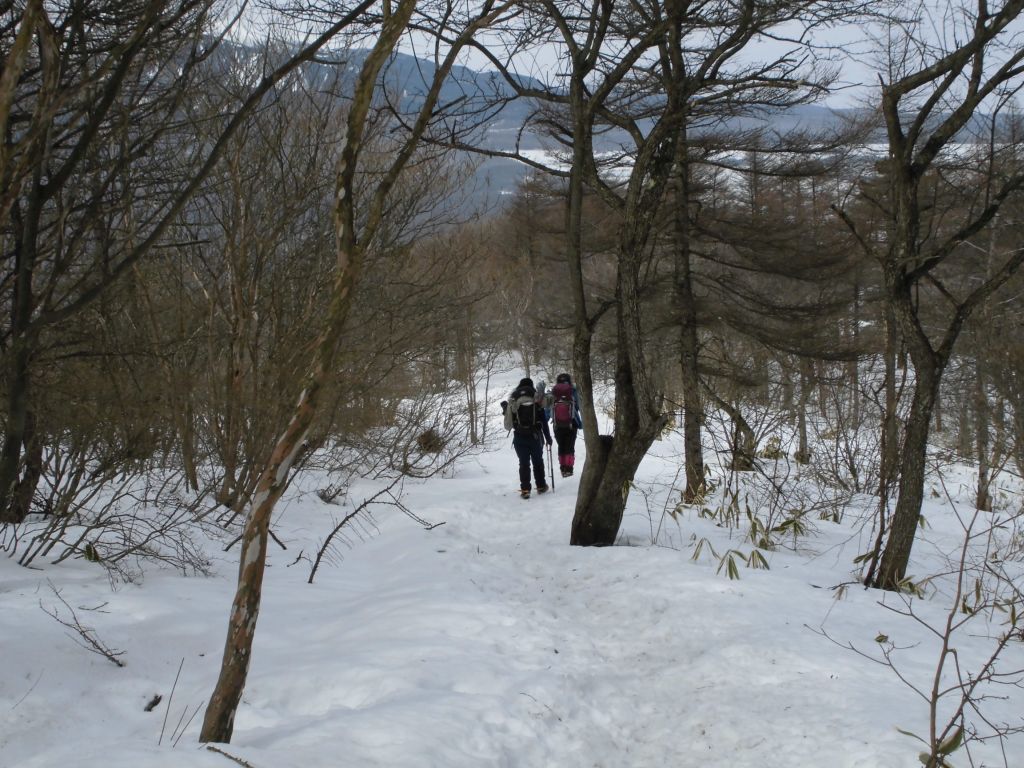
(928, 368)
(26, 227)
(693, 408)
(983, 500)
(218, 723)
(890, 418)
(907, 515)
(744, 443)
(32, 471)
(803, 453)
(605, 482)
(638, 415)
(15, 431)
(854, 365)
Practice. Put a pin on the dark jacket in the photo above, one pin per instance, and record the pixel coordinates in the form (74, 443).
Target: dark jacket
(541, 424)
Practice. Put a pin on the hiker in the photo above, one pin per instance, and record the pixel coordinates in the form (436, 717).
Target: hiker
(565, 417)
(524, 415)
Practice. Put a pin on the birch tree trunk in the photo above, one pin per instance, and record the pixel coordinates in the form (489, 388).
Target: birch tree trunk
(218, 723)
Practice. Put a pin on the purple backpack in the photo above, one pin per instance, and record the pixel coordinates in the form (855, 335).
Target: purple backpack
(562, 406)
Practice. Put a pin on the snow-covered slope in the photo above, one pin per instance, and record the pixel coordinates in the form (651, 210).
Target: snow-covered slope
(486, 641)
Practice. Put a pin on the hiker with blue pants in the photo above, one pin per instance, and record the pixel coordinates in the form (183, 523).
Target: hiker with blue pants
(525, 416)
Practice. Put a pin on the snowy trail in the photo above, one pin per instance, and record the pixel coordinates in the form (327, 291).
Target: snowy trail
(607, 657)
(487, 641)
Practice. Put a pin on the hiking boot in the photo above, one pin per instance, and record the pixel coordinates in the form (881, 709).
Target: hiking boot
(542, 489)
(566, 471)
(524, 493)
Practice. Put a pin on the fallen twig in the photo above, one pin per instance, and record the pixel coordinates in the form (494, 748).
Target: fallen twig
(220, 751)
(89, 640)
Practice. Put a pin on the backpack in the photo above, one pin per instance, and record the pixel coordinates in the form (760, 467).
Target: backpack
(562, 406)
(525, 418)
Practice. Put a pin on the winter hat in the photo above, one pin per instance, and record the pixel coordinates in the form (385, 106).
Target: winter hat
(526, 382)
(563, 378)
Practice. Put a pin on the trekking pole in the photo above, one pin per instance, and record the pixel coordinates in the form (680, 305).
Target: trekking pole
(551, 466)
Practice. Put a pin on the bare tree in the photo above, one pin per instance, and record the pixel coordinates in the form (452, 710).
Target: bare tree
(985, 602)
(928, 97)
(353, 235)
(94, 173)
(636, 76)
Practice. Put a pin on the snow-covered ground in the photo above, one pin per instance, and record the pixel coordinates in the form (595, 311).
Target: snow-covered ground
(489, 641)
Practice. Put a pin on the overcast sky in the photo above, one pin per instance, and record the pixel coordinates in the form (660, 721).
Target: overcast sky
(855, 49)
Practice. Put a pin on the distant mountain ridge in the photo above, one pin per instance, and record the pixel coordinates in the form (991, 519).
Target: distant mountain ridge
(411, 75)
(407, 78)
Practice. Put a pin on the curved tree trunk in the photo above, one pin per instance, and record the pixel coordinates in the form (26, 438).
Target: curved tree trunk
(907, 515)
(604, 484)
(218, 723)
(744, 441)
(609, 470)
(928, 368)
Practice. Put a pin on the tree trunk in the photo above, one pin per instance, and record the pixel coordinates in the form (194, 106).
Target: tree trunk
(15, 433)
(744, 442)
(854, 364)
(907, 515)
(609, 470)
(25, 228)
(466, 357)
(890, 459)
(604, 488)
(229, 436)
(803, 453)
(965, 431)
(888, 463)
(981, 422)
(823, 395)
(693, 420)
(188, 444)
(22, 341)
(24, 492)
(218, 723)
(693, 408)
(242, 335)
(583, 328)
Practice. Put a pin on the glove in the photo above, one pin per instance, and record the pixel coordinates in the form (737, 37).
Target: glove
(504, 405)
(548, 441)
